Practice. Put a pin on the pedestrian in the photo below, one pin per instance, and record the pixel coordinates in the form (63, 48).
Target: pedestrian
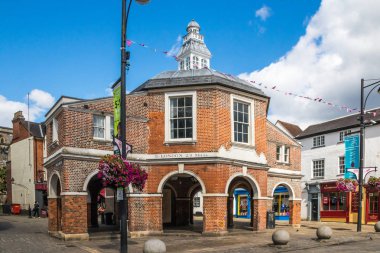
(36, 210)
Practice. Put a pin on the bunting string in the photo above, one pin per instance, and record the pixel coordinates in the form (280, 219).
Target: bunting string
(260, 84)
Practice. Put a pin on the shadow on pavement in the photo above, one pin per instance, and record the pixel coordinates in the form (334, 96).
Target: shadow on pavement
(5, 225)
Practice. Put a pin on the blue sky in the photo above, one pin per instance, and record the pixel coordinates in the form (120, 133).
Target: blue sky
(71, 47)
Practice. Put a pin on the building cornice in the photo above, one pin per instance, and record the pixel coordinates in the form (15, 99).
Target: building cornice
(285, 173)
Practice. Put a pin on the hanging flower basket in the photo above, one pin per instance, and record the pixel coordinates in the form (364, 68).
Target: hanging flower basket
(374, 183)
(116, 172)
(346, 185)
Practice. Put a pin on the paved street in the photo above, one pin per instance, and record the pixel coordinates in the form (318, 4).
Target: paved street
(21, 234)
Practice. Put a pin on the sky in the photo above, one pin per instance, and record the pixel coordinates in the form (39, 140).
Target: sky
(72, 48)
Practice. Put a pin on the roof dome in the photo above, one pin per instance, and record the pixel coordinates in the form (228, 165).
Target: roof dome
(193, 23)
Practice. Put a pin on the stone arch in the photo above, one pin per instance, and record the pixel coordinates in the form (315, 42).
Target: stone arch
(54, 181)
(288, 186)
(169, 175)
(251, 180)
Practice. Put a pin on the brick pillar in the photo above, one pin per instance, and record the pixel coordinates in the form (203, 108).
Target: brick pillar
(53, 215)
(230, 210)
(145, 213)
(214, 214)
(295, 213)
(259, 214)
(74, 216)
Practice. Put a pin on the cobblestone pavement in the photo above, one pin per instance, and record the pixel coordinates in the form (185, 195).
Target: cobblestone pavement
(21, 234)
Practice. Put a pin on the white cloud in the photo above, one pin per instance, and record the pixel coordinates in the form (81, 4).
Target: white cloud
(109, 91)
(40, 102)
(339, 48)
(175, 47)
(263, 13)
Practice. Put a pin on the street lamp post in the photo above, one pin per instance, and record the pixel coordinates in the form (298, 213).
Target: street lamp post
(125, 55)
(361, 143)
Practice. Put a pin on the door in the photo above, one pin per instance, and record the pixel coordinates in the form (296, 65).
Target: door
(372, 206)
(314, 207)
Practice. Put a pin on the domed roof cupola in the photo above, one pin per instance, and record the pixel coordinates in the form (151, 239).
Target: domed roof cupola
(194, 53)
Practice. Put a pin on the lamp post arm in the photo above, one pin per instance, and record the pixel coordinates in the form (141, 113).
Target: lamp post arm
(365, 101)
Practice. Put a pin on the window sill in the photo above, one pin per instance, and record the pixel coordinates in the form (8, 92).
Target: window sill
(316, 178)
(242, 145)
(102, 140)
(53, 144)
(180, 142)
(318, 147)
(282, 163)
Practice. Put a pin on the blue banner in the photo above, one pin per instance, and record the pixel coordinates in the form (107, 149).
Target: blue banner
(351, 158)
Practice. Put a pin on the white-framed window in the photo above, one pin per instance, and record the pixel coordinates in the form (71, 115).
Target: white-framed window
(182, 65)
(102, 127)
(203, 63)
(319, 141)
(55, 130)
(341, 165)
(343, 134)
(319, 168)
(187, 63)
(180, 116)
(282, 153)
(195, 62)
(242, 120)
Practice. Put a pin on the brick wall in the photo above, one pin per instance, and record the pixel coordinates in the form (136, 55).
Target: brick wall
(145, 214)
(74, 216)
(277, 137)
(52, 218)
(215, 214)
(259, 214)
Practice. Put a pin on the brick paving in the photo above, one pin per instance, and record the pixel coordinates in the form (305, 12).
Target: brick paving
(21, 234)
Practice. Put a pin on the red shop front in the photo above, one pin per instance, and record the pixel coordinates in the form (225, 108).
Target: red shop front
(333, 203)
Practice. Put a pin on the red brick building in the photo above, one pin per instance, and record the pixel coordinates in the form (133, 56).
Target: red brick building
(192, 130)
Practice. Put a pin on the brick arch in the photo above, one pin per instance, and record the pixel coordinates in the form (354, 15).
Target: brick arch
(288, 186)
(91, 175)
(169, 175)
(251, 180)
(53, 182)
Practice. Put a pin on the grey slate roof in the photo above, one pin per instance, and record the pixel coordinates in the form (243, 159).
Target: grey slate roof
(338, 124)
(197, 77)
(36, 129)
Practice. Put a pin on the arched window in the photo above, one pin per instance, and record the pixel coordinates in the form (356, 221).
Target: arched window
(195, 62)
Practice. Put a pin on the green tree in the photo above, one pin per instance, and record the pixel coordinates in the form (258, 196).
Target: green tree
(3, 181)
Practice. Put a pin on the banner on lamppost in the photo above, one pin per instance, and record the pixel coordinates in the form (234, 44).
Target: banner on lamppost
(352, 156)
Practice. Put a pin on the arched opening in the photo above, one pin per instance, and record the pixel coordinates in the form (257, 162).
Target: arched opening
(102, 210)
(282, 196)
(179, 191)
(240, 213)
(55, 218)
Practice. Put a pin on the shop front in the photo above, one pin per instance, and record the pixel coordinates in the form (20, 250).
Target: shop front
(242, 203)
(334, 203)
(281, 203)
(372, 205)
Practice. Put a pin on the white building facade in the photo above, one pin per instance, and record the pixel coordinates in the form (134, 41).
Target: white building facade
(322, 161)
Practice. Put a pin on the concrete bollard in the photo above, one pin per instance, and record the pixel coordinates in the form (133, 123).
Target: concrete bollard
(280, 237)
(154, 246)
(377, 226)
(324, 232)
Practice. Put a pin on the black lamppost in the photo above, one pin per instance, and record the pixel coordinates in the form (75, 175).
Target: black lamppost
(124, 64)
(361, 143)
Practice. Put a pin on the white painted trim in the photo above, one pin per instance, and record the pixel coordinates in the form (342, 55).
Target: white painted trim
(167, 176)
(296, 199)
(285, 172)
(215, 195)
(52, 192)
(262, 198)
(74, 193)
(88, 178)
(251, 122)
(144, 195)
(252, 181)
(193, 94)
(288, 186)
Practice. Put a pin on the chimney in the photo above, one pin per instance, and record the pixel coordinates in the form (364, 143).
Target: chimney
(17, 121)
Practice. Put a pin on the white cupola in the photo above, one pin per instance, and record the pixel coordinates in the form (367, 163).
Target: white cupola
(194, 53)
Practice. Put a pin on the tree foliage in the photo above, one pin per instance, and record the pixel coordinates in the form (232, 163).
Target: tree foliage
(3, 181)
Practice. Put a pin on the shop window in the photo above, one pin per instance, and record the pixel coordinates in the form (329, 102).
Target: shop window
(334, 201)
(373, 202)
(341, 165)
(319, 168)
(319, 141)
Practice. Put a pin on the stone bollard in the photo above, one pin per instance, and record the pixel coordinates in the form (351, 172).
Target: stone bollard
(154, 246)
(324, 232)
(377, 226)
(280, 237)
